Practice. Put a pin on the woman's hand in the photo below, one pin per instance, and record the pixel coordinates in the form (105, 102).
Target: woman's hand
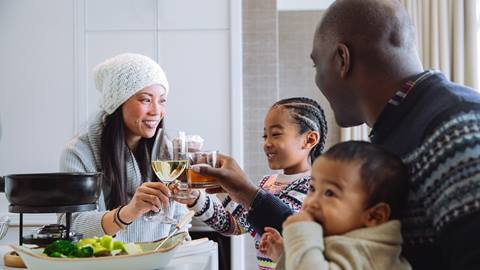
(150, 196)
(271, 244)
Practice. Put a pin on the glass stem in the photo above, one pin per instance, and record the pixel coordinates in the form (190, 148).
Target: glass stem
(168, 207)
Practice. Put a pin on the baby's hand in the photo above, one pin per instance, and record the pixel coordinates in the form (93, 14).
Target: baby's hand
(271, 244)
(300, 216)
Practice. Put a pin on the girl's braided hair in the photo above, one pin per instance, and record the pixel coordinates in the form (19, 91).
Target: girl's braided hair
(308, 115)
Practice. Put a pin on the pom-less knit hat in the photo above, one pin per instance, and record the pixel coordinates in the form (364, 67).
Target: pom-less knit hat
(120, 77)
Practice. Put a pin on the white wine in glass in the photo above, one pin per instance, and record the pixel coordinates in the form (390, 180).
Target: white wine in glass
(168, 163)
(168, 169)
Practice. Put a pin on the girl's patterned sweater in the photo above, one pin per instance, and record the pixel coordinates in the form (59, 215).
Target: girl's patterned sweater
(230, 218)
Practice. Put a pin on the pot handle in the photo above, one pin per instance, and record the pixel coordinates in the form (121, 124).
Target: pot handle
(2, 184)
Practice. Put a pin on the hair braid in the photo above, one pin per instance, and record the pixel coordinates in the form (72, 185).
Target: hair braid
(308, 115)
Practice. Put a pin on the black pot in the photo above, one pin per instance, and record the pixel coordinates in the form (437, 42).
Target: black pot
(52, 189)
(2, 184)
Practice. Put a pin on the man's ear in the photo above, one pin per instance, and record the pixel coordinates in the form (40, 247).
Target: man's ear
(312, 139)
(343, 59)
(377, 214)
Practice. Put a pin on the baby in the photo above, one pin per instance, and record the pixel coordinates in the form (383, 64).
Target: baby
(350, 217)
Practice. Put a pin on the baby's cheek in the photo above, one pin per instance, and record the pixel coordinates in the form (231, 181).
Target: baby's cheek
(308, 211)
(307, 201)
(304, 206)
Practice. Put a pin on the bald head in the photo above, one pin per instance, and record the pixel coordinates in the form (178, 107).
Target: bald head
(363, 51)
(376, 31)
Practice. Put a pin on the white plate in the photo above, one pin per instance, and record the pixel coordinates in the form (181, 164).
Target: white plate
(147, 260)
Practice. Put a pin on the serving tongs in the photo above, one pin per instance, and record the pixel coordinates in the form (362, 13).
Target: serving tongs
(184, 220)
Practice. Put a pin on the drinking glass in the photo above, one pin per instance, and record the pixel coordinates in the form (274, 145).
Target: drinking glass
(201, 158)
(168, 162)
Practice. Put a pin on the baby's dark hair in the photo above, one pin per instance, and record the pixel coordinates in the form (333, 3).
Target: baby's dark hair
(308, 115)
(384, 175)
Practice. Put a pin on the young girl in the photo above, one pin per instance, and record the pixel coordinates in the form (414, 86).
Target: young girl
(294, 134)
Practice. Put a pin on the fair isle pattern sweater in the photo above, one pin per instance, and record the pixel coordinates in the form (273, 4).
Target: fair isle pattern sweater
(439, 142)
(229, 218)
(82, 154)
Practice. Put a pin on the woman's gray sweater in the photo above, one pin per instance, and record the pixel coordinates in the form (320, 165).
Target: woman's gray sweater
(82, 154)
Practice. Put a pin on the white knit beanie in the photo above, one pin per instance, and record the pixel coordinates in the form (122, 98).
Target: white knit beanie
(120, 77)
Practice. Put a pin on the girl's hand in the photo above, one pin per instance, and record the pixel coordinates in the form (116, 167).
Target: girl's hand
(150, 196)
(188, 202)
(271, 244)
(300, 216)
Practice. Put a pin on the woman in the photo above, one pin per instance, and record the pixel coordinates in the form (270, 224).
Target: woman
(118, 143)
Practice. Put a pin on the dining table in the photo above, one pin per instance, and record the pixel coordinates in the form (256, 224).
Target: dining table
(200, 254)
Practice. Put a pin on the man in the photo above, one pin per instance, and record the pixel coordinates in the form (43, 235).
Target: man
(368, 68)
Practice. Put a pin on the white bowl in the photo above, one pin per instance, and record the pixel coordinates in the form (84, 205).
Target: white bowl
(148, 260)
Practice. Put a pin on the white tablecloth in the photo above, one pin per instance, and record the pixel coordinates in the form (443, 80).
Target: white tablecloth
(198, 256)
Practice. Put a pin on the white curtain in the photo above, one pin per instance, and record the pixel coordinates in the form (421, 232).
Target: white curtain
(447, 37)
(447, 41)
(358, 133)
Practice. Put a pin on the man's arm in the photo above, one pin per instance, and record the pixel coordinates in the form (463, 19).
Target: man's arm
(451, 155)
(267, 210)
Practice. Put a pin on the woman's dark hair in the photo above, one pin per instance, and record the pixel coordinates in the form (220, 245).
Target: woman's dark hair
(384, 175)
(114, 152)
(309, 116)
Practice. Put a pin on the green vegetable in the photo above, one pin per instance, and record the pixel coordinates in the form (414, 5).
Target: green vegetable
(100, 250)
(88, 247)
(107, 242)
(56, 254)
(87, 241)
(116, 252)
(63, 247)
(132, 248)
(118, 245)
(84, 252)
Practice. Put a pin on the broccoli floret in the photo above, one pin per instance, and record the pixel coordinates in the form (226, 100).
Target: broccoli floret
(63, 247)
(84, 252)
(55, 254)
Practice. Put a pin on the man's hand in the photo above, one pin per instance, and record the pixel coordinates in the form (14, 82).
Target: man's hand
(232, 179)
(301, 216)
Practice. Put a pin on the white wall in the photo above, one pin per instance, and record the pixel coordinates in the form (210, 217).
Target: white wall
(36, 93)
(189, 39)
(48, 49)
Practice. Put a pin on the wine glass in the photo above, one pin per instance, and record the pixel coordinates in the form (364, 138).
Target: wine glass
(168, 162)
(181, 185)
